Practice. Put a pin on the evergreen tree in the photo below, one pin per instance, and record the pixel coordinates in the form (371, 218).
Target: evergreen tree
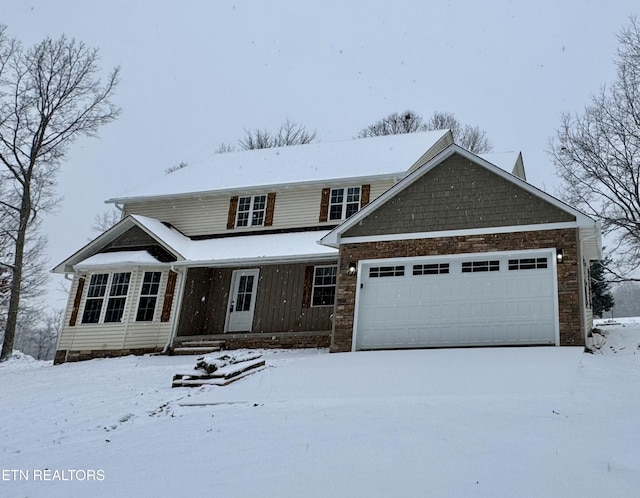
(601, 296)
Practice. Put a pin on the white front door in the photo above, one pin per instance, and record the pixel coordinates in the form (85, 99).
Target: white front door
(242, 300)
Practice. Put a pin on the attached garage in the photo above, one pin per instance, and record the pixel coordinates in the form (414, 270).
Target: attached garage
(480, 299)
(462, 253)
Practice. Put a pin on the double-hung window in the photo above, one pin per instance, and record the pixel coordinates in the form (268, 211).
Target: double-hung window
(148, 296)
(343, 202)
(251, 211)
(95, 298)
(110, 287)
(324, 286)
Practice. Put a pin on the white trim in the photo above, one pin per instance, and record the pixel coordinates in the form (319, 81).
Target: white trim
(313, 287)
(344, 204)
(232, 295)
(252, 210)
(458, 233)
(333, 238)
(257, 189)
(547, 251)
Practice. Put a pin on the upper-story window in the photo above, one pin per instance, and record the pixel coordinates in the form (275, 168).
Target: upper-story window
(344, 202)
(251, 211)
(339, 203)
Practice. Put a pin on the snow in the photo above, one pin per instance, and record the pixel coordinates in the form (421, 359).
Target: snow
(294, 245)
(369, 157)
(487, 422)
(121, 257)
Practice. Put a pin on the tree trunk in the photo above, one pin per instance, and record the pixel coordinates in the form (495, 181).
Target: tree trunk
(16, 277)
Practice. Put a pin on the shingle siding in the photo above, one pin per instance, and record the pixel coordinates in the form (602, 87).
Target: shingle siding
(457, 195)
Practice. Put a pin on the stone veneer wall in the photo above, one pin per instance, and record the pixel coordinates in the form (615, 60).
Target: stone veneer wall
(568, 277)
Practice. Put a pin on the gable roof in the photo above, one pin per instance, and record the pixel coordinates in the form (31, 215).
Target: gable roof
(310, 163)
(589, 226)
(224, 251)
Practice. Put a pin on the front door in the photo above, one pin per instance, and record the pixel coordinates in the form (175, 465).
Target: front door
(242, 300)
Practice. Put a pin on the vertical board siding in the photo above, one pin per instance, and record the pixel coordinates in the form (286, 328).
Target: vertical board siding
(279, 306)
(197, 216)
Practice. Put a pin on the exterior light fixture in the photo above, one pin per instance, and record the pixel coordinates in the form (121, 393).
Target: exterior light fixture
(559, 255)
(353, 268)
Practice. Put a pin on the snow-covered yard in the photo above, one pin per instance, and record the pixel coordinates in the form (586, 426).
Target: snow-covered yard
(495, 422)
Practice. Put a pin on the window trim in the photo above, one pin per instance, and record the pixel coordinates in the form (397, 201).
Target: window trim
(315, 286)
(107, 297)
(345, 203)
(149, 295)
(252, 211)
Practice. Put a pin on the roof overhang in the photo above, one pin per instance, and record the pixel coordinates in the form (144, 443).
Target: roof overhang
(94, 247)
(586, 224)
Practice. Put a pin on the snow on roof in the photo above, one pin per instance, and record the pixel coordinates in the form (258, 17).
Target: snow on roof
(234, 250)
(291, 246)
(116, 258)
(503, 160)
(365, 157)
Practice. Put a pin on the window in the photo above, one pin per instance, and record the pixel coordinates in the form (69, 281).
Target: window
(251, 211)
(95, 296)
(118, 285)
(478, 266)
(431, 269)
(117, 297)
(148, 296)
(324, 285)
(527, 264)
(386, 271)
(343, 202)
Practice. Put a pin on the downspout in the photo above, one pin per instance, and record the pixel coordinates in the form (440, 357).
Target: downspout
(73, 333)
(174, 316)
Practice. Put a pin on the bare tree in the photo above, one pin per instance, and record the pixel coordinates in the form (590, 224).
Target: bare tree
(395, 124)
(289, 133)
(50, 94)
(105, 220)
(597, 156)
(470, 137)
(171, 169)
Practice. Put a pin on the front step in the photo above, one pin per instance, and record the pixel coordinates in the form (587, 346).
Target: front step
(198, 347)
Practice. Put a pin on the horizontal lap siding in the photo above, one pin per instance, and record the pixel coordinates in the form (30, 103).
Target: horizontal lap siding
(124, 335)
(197, 216)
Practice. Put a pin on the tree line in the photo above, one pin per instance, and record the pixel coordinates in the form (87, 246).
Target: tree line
(54, 92)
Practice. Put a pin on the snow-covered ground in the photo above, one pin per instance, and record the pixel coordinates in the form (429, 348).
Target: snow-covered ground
(494, 422)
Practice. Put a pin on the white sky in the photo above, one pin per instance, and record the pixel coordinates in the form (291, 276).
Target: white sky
(195, 74)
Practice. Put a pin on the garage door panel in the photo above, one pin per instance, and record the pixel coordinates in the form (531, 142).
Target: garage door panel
(456, 308)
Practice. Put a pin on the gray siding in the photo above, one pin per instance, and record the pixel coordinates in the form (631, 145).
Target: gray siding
(457, 195)
(279, 306)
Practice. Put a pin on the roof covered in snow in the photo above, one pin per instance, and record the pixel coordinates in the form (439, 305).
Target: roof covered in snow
(365, 157)
(129, 258)
(224, 251)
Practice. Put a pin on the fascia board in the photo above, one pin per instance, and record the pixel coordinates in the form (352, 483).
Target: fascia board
(260, 188)
(332, 239)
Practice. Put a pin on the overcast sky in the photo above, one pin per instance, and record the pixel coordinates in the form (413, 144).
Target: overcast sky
(196, 74)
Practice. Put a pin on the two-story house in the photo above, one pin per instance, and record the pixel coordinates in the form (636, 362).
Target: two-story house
(386, 242)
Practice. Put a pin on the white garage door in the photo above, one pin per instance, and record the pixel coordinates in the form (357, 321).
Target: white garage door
(458, 300)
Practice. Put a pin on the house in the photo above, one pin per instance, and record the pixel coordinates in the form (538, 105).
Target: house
(387, 242)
